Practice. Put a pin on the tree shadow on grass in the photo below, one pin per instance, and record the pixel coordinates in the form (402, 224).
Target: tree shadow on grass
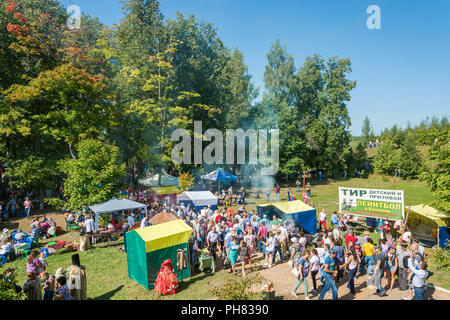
(108, 295)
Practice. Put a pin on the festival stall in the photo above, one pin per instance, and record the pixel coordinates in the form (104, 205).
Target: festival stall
(159, 193)
(165, 181)
(115, 205)
(198, 199)
(295, 211)
(219, 176)
(163, 217)
(147, 248)
(429, 225)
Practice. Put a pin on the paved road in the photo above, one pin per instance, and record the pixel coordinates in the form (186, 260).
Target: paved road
(282, 278)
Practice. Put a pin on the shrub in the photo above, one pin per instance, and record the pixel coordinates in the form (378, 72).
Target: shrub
(8, 287)
(441, 257)
(239, 288)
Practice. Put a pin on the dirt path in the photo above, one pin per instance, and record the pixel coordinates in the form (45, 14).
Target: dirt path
(282, 278)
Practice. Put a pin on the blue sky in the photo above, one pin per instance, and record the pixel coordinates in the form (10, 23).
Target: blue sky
(402, 70)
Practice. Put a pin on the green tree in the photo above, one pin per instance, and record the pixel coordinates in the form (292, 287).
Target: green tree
(185, 181)
(367, 134)
(410, 159)
(437, 174)
(386, 159)
(95, 177)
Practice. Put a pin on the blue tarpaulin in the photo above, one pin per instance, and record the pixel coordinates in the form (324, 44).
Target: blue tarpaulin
(297, 211)
(220, 175)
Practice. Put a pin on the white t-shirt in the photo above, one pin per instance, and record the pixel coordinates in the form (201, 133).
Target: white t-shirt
(336, 233)
(315, 262)
(302, 243)
(89, 225)
(271, 245)
(6, 248)
(327, 241)
(131, 221)
(322, 216)
(321, 253)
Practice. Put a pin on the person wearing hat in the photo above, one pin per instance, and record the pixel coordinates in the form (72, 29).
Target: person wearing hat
(32, 287)
(403, 265)
(329, 272)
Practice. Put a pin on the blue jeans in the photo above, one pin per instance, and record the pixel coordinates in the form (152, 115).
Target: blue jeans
(322, 278)
(27, 210)
(351, 280)
(277, 249)
(329, 284)
(277, 196)
(298, 188)
(377, 276)
(418, 293)
(369, 262)
(262, 246)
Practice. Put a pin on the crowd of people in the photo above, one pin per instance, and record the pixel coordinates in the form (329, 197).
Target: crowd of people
(66, 284)
(337, 253)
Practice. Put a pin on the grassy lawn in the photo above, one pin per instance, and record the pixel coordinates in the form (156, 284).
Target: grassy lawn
(106, 267)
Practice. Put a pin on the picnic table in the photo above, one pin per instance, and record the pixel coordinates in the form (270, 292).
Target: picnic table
(109, 235)
(231, 198)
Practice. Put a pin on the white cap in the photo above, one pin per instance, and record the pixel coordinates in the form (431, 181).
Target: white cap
(294, 240)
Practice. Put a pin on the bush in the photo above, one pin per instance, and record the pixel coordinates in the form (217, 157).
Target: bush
(441, 257)
(8, 288)
(238, 288)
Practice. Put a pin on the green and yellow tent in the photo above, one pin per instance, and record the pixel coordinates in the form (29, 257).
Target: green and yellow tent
(428, 224)
(148, 247)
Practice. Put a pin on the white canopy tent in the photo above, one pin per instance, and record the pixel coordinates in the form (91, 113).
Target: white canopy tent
(116, 204)
(166, 181)
(198, 199)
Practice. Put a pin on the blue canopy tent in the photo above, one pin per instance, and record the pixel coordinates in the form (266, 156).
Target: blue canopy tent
(295, 211)
(198, 199)
(219, 176)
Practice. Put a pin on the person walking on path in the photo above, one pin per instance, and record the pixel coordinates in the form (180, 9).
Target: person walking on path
(402, 266)
(304, 267)
(270, 249)
(353, 263)
(329, 271)
(315, 266)
(323, 220)
(379, 271)
(368, 255)
(233, 253)
(28, 205)
(391, 267)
